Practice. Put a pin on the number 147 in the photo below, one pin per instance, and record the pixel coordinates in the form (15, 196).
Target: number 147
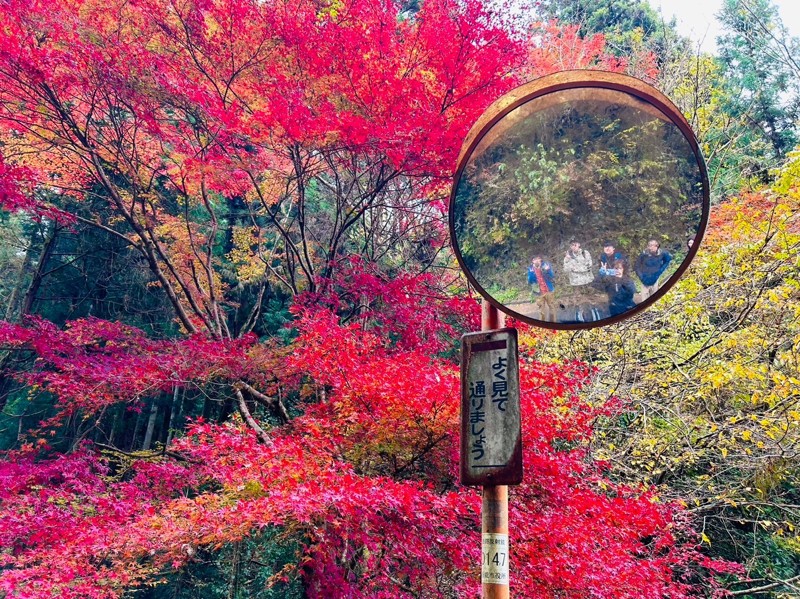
(494, 558)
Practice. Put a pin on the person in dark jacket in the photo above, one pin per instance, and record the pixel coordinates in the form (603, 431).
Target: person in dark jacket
(542, 282)
(620, 289)
(650, 265)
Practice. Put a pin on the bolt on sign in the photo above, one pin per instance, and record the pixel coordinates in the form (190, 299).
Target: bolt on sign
(491, 437)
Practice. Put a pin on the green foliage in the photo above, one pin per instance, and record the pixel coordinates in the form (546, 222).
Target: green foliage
(698, 86)
(13, 254)
(593, 170)
(761, 79)
(24, 410)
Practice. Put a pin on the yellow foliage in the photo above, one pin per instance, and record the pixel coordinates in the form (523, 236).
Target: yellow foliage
(712, 371)
(245, 255)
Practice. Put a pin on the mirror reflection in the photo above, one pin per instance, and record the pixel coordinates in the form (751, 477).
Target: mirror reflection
(578, 206)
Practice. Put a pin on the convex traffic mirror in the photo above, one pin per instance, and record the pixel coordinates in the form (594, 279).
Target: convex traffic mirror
(579, 199)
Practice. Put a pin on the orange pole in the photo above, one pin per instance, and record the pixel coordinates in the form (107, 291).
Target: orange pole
(494, 506)
(491, 317)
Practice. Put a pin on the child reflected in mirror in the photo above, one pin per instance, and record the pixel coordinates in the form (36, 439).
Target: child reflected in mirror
(620, 289)
(542, 283)
(608, 257)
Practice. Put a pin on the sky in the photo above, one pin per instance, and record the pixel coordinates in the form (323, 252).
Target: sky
(696, 18)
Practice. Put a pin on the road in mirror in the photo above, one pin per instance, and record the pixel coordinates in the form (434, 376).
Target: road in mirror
(577, 206)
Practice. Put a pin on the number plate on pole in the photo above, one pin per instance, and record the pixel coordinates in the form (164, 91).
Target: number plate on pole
(491, 437)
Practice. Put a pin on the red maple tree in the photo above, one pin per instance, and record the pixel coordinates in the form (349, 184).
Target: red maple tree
(317, 138)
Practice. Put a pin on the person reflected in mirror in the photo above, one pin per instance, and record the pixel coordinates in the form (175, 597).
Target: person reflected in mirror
(620, 288)
(578, 265)
(609, 256)
(578, 305)
(650, 265)
(542, 281)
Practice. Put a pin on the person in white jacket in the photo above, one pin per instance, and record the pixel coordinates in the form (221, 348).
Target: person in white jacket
(578, 265)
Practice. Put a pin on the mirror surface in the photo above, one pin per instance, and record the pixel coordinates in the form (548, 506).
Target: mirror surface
(578, 207)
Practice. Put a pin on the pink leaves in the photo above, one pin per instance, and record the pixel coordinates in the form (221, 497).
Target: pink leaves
(13, 181)
(560, 47)
(411, 310)
(71, 530)
(17, 193)
(364, 478)
(208, 79)
(195, 102)
(574, 532)
(95, 363)
(351, 522)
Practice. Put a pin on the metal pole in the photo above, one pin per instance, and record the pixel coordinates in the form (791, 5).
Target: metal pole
(491, 317)
(494, 507)
(494, 530)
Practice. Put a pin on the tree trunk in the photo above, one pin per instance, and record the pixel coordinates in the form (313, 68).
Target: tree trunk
(233, 587)
(13, 298)
(151, 425)
(38, 276)
(225, 410)
(177, 412)
(169, 417)
(112, 433)
(136, 428)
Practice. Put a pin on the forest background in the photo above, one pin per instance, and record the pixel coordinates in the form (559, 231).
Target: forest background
(229, 363)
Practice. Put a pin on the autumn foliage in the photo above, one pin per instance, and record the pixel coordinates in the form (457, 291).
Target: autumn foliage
(365, 478)
(248, 153)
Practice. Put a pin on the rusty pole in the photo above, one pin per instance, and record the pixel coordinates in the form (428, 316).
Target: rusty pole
(494, 507)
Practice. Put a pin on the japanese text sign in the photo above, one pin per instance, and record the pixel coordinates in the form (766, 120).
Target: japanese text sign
(491, 438)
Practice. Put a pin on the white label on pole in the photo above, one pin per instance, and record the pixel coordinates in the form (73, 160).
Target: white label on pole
(495, 558)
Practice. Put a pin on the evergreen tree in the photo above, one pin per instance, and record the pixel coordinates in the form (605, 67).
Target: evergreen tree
(761, 78)
(626, 25)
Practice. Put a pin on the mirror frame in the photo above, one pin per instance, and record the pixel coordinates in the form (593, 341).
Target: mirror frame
(551, 84)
